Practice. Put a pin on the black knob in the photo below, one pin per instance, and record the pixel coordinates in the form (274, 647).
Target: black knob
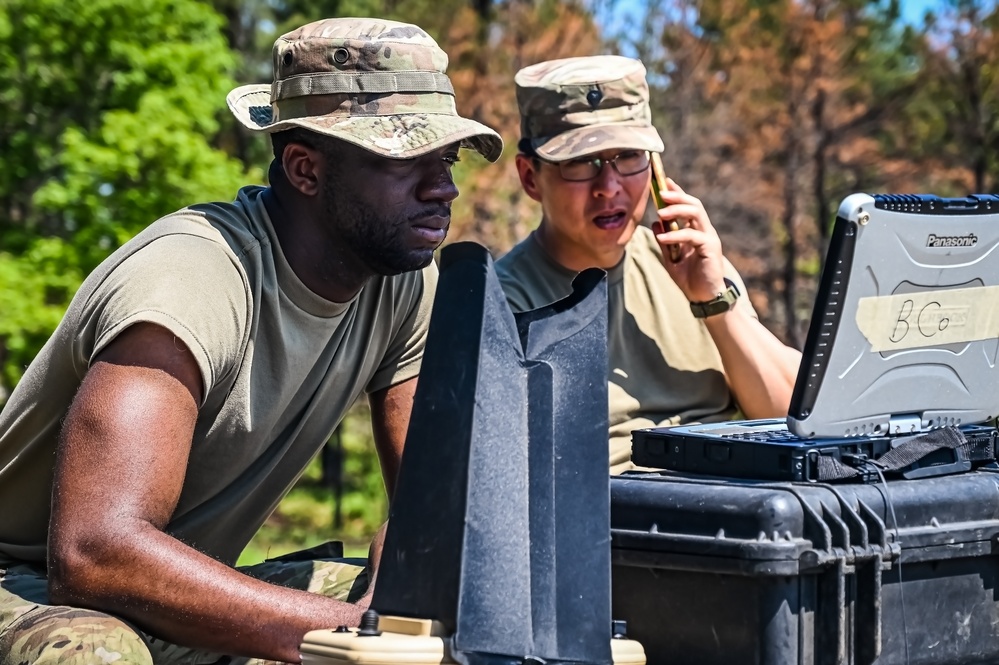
(619, 629)
(369, 624)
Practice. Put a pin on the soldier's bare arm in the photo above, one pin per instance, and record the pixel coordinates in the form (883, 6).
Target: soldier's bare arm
(390, 411)
(760, 370)
(120, 468)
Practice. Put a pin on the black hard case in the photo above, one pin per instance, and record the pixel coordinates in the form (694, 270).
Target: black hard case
(742, 572)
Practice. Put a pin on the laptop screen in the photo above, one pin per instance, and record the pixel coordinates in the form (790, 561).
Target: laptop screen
(904, 334)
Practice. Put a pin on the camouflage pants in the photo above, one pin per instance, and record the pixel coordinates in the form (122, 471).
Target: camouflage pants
(33, 631)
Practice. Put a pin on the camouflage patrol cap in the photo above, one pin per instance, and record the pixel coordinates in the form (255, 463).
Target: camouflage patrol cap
(375, 83)
(579, 106)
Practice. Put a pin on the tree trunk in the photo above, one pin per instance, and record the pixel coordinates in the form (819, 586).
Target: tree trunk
(792, 149)
(820, 162)
(331, 462)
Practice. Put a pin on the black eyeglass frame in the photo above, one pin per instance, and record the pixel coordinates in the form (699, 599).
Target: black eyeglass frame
(599, 163)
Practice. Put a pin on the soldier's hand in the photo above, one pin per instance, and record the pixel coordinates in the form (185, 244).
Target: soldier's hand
(699, 270)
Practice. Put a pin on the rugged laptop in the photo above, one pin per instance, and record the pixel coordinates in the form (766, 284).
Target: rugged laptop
(903, 340)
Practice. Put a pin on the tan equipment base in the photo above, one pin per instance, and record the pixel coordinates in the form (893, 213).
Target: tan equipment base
(410, 641)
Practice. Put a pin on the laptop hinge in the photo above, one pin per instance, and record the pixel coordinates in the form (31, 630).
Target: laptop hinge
(905, 423)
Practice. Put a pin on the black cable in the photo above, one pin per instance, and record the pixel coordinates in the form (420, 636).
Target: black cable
(901, 596)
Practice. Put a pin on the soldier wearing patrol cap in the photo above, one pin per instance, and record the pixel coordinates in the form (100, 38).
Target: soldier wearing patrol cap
(684, 344)
(203, 364)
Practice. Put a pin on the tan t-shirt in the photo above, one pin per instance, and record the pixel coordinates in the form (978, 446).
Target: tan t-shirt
(280, 366)
(664, 366)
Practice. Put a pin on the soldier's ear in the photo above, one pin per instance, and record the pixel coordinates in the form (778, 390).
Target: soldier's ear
(303, 167)
(527, 169)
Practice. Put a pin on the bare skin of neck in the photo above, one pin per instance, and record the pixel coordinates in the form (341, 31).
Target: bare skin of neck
(563, 254)
(328, 270)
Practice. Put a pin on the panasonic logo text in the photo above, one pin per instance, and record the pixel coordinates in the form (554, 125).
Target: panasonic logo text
(969, 240)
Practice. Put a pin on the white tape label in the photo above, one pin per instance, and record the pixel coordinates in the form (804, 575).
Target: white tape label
(929, 318)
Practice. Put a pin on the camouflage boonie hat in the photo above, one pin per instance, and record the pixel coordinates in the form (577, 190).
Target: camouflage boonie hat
(578, 106)
(375, 83)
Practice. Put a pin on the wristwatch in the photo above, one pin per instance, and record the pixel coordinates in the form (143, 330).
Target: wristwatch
(720, 303)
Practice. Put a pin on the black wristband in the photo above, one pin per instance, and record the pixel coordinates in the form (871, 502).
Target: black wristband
(722, 302)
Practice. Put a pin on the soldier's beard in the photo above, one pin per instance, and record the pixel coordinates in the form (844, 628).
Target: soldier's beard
(381, 241)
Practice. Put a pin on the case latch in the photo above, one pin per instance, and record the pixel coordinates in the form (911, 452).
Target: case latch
(905, 423)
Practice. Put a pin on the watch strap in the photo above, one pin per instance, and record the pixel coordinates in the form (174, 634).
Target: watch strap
(722, 302)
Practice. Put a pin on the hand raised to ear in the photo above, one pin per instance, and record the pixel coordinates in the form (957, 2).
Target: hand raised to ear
(699, 270)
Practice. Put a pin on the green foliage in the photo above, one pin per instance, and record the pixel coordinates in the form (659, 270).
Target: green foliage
(107, 108)
(954, 117)
(34, 288)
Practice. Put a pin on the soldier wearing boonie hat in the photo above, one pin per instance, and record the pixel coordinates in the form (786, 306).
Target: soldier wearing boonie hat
(683, 346)
(204, 363)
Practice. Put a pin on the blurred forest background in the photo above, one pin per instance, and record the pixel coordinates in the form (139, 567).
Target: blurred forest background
(112, 113)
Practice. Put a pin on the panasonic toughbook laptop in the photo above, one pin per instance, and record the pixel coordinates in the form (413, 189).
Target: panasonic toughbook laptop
(903, 339)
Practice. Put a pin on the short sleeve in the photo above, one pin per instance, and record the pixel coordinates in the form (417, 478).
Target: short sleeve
(516, 294)
(404, 355)
(188, 284)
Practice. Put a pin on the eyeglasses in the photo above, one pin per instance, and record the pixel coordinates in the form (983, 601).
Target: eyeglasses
(625, 163)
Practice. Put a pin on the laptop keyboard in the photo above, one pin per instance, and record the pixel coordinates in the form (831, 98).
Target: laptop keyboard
(767, 435)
